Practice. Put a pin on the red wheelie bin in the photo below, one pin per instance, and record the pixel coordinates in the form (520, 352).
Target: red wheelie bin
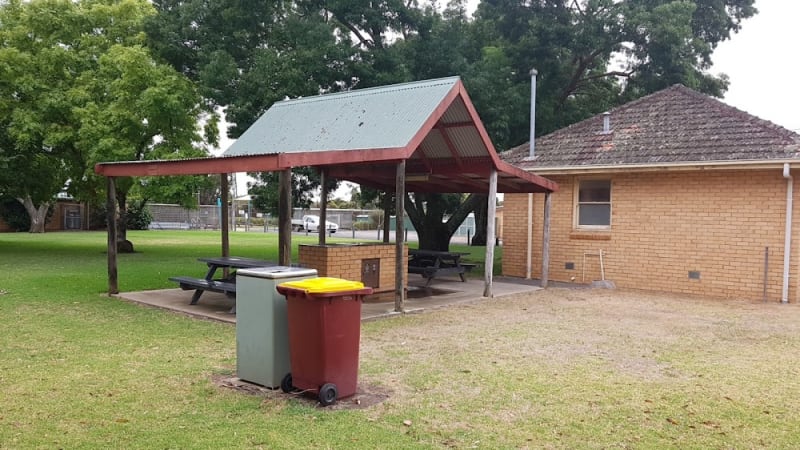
(324, 318)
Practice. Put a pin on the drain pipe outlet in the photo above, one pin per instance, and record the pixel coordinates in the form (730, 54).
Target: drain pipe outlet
(787, 241)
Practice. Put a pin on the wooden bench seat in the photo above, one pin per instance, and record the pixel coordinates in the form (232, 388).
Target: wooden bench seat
(429, 272)
(201, 284)
(468, 266)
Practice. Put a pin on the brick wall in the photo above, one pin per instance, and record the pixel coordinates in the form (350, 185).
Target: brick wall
(344, 261)
(665, 225)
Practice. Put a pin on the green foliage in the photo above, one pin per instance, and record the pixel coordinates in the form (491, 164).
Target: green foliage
(138, 216)
(187, 191)
(591, 55)
(247, 55)
(368, 198)
(364, 225)
(304, 180)
(14, 215)
(78, 87)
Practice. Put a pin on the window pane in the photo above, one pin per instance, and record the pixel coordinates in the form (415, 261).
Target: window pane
(595, 191)
(594, 215)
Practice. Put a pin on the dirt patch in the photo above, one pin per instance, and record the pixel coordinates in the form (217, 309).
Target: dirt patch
(367, 394)
(634, 335)
(567, 339)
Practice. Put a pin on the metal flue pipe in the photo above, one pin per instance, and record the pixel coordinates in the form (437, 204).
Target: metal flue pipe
(531, 144)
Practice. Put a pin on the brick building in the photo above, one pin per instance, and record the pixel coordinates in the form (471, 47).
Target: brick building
(678, 191)
(67, 215)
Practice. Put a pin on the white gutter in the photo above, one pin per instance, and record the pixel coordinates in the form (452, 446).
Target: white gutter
(787, 240)
(692, 165)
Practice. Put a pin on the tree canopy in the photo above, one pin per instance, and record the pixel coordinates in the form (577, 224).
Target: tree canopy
(90, 80)
(78, 86)
(591, 55)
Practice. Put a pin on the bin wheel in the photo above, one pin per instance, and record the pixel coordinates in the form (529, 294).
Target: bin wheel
(328, 394)
(286, 383)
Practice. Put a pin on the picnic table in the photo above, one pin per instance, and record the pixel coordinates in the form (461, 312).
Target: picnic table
(433, 263)
(225, 285)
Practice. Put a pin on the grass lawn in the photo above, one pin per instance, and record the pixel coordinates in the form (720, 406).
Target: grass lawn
(554, 369)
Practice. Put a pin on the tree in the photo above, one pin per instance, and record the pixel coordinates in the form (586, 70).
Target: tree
(436, 217)
(248, 55)
(34, 106)
(245, 55)
(304, 180)
(574, 44)
(78, 88)
(136, 110)
(187, 191)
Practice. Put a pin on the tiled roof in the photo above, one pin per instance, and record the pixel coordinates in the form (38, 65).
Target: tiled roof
(672, 126)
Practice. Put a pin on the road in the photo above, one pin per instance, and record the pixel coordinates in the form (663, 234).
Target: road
(370, 235)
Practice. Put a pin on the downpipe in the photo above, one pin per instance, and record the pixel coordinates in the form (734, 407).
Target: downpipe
(787, 241)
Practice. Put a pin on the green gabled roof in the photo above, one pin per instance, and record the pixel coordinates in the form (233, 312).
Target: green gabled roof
(374, 118)
(360, 136)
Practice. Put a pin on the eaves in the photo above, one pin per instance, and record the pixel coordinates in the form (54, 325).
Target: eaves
(668, 167)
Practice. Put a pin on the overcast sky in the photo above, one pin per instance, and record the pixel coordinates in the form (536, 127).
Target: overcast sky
(762, 63)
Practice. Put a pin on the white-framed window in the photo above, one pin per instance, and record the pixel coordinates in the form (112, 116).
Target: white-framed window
(593, 204)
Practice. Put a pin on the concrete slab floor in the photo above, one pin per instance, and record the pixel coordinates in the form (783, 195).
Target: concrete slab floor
(443, 292)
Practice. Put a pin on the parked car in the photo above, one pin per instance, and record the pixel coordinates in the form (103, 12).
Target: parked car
(311, 223)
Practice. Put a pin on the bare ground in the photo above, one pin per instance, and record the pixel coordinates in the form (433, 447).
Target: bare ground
(675, 370)
(622, 327)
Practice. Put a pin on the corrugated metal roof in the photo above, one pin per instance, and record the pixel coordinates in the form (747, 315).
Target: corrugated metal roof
(361, 135)
(384, 117)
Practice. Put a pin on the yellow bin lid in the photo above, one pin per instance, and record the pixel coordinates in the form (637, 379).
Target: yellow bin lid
(322, 285)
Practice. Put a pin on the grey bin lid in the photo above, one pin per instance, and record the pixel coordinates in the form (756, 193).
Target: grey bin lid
(276, 272)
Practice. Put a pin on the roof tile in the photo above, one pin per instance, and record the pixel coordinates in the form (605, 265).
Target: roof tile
(675, 125)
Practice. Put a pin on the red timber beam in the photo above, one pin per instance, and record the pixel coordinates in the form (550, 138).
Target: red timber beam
(199, 166)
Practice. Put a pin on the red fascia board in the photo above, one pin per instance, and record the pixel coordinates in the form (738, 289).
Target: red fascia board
(476, 119)
(199, 166)
(547, 185)
(245, 163)
(433, 119)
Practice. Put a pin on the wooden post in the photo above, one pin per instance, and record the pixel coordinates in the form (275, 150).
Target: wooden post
(490, 234)
(224, 220)
(400, 273)
(546, 244)
(323, 206)
(111, 218)
(387, 208)
(285, 217)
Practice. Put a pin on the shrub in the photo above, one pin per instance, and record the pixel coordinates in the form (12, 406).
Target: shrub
(14, 215)
(138, 216)
(363, 225)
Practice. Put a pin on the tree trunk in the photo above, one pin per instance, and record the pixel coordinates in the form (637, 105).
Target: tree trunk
(123, 244)
(122, 217)
(481, 215)
(427, 212)
(38, 215)
(434, 237)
